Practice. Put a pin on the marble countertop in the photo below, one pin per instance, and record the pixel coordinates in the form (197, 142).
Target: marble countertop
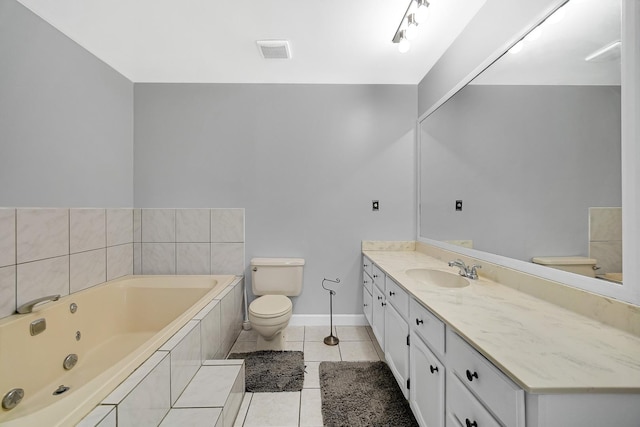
(542, 347)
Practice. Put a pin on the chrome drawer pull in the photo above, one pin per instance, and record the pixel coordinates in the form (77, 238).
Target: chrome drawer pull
(419, 322)
(471, 376)
(432, 369)
(469, 423)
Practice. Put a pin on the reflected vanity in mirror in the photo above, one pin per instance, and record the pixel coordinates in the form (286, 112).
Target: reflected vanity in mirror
(532, 148)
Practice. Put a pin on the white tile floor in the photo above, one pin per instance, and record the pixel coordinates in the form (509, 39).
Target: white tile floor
(303, 409)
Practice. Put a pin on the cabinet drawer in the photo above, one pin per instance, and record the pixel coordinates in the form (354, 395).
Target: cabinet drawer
(367, 281)
(428, 326)
(398, 297)
(367, 265)
(464, 408)
(378, 277)
(367, 305)
(503, 397)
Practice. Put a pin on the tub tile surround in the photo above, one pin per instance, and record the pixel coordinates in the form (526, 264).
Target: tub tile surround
(102, 416)
(189, 241)
(45, 251)
(605, 239)
(61, 251)
(519, 325)
(177, 385)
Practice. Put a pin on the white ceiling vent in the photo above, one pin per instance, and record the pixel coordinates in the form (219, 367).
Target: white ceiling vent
(274, 49)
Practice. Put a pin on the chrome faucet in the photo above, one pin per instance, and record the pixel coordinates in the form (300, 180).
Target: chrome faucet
(27, 307)
(470, 272)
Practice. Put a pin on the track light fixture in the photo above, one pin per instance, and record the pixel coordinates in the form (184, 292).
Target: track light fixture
(417, 13)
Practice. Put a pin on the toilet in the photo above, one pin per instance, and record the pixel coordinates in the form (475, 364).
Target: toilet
(273, 280)
(574, 264)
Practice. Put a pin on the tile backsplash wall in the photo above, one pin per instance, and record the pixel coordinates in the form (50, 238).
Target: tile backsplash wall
(46, 251)
(189, 241)
(61, 251)
(605, 239)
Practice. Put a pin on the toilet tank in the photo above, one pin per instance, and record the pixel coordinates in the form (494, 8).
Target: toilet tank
(574, 264)
(277, 276)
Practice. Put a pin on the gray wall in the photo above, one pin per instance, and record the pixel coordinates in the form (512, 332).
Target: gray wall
(305, 161)
(528, 163)
(488, 33)
(66, 119)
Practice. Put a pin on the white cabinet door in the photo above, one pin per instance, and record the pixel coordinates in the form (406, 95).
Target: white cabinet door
(427, 384)
(367, 305)
(379, 304)
(396, 348)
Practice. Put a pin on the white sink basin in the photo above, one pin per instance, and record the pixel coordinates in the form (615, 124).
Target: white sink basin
(443, 279)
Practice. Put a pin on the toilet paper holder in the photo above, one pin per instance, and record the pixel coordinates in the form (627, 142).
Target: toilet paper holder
(331, 339)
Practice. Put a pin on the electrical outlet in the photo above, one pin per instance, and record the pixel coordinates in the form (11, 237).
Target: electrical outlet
(375, 205)
(458, 205)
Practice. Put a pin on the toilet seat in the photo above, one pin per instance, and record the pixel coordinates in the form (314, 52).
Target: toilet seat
(270, 306)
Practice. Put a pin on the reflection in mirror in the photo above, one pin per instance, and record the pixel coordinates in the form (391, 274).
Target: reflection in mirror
(532, 149)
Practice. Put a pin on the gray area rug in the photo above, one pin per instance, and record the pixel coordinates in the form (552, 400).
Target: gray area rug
(272, 371)
(362, 394)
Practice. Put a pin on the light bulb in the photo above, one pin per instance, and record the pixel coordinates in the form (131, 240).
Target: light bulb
(516, 47)
(412, 27)
(533, 34)
(404, 45)
(422, 12)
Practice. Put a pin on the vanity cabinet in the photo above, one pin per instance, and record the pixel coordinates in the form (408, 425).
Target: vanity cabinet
(491, 387)
(427, 374)
(367, 289)
(396, 330)
(378, 314)
(450, 383)
(367, 304)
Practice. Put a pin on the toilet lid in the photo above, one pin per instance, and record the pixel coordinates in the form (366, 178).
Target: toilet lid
(270, 306)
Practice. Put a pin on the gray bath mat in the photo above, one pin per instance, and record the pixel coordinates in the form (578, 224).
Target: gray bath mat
(362, 394)
(269, 371)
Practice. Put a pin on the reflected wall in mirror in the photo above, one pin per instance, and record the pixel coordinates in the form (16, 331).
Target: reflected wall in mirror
(532, 144)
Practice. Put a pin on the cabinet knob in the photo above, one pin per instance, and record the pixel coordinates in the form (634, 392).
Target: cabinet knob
(379, 297)
(419, 322)
(366, 281)
(366, 305)
(469, 423)
(391, 293)
(383, 303)
(365, 265)
(433, 369)
(375, 276)
(471, 376)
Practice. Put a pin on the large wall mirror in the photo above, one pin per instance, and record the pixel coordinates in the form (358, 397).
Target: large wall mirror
(532, 147)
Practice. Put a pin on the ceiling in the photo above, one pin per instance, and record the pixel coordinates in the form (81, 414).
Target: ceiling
(557, 57)
(214, 41)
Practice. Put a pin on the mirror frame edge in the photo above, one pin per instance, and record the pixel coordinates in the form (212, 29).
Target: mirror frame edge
(630, 173)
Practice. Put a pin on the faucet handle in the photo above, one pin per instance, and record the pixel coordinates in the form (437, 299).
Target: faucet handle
(473, 272)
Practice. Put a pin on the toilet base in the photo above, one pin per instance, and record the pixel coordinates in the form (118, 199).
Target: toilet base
(276, 343)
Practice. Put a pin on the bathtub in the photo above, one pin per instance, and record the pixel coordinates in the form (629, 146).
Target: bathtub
(119, 325)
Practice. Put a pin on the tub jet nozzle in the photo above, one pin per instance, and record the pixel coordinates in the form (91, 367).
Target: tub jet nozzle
(61, 389)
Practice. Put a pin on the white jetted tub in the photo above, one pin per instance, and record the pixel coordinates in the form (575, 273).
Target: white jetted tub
(116, 327)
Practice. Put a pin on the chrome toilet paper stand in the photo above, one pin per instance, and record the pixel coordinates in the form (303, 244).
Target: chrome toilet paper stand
(331, 339)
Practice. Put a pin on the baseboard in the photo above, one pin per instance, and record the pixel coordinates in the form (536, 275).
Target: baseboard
(323, 319)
